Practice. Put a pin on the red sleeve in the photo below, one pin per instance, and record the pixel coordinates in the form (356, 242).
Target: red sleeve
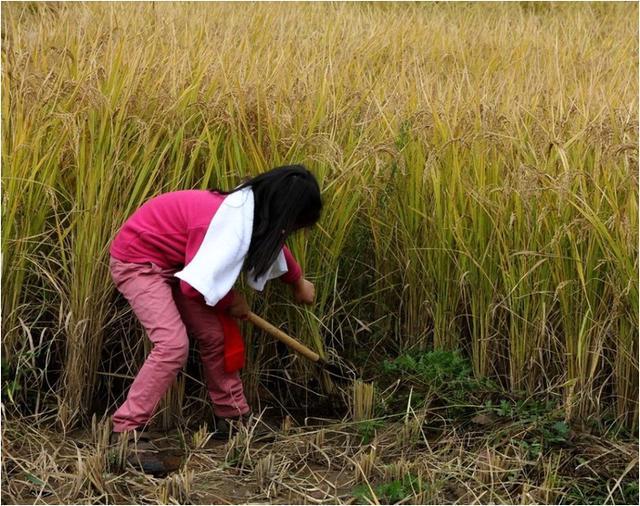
(188, 290)
(294, 272)
(226, 301)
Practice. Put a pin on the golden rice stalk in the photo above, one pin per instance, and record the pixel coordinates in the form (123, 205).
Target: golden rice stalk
(364, 465)
(286, 425)
(238, 448)
(100, 431)
(397, 470)
(490, 466)
(362, 401)
(176, 488)
(201, 437)
(264, 473)
(91, 469)
(411, 430)
(315, 448)
(171, 404)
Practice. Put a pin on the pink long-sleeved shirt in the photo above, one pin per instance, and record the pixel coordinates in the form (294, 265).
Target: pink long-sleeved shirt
(168, 230)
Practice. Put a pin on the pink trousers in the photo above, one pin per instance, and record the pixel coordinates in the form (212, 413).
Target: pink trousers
(167, 315)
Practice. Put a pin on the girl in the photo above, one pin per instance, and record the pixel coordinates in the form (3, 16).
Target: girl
(176, 260)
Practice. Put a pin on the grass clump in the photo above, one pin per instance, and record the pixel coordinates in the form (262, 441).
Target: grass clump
(434, 368)
(367, 429)
(392, 492)
(533, 425)
(603, 492)
(434, 377)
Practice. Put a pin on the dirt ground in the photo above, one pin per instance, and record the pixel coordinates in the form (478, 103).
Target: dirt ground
(321, 462)
(276, 467)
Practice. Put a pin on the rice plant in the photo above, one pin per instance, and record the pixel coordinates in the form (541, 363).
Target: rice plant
(478, 167)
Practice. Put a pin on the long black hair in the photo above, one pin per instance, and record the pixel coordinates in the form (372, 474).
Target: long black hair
(286, 199)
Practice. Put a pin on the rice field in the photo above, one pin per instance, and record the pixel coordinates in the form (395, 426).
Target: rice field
(476, 264)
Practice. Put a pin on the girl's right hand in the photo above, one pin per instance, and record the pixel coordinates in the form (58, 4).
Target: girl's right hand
(239, 307)
(304, 291)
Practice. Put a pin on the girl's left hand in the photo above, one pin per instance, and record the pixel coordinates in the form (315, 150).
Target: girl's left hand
(239, 307)
(304, 291)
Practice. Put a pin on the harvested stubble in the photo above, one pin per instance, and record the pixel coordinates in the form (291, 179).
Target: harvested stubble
(481, 467)
(364, 465)
(176, 488)
(362, 402)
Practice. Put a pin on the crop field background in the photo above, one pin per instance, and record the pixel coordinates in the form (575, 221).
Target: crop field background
(476, 262)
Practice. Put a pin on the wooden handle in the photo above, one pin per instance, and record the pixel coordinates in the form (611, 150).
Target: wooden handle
(281, 336)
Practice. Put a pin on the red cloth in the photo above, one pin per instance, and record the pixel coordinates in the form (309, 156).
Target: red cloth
(233, 343)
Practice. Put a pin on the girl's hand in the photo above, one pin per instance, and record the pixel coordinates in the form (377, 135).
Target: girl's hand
(304, 291)
(239, 307)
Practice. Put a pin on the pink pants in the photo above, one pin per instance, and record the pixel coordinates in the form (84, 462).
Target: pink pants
(167, 315)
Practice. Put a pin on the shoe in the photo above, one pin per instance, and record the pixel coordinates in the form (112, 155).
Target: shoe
(227, 427)
(143, 455)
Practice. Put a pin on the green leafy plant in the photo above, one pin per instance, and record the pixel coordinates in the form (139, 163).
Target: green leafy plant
(390, 493)
(367, 429)
(435, 368)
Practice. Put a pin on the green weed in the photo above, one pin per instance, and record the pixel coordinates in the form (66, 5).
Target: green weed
(367, 429)
(389, 493)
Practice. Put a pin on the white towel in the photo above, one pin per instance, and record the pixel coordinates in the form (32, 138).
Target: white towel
(217, 264)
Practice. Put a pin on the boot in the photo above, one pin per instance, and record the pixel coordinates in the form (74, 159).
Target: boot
(227, 427)
(144, 455)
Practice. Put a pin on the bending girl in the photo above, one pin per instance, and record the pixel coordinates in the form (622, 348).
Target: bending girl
(176, 260)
